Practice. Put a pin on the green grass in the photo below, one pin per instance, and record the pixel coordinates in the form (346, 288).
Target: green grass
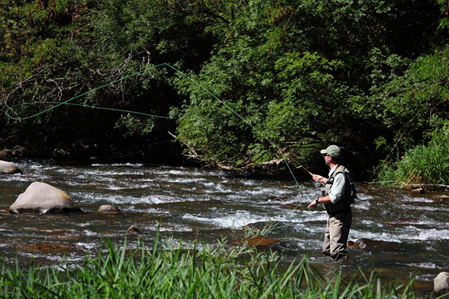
(218, 271)
(421, 165)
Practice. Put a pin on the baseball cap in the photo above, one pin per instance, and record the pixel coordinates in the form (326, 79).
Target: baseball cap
(332, 150)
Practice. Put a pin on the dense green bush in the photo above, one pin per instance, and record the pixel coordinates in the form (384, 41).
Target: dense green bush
(423, 164)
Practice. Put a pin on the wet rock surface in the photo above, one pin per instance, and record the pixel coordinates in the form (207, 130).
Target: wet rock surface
(367, 244)
(8, 168)
(262, 243)
(132, 230)
(49, 247)
(43, 198)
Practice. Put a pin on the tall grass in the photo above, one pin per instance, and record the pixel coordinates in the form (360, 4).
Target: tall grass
(424, 164)
(420, 165)
(210, 272)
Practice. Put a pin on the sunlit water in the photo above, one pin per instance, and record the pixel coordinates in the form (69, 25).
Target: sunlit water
(411, 230)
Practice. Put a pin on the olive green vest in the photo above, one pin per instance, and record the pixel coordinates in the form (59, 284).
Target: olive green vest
(349, 194)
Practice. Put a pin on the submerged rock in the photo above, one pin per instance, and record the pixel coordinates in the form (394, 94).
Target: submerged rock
(67, 235)
(43, 198)
(440, 198)
(276, 198)
(403, 222)
(418, 190)
(49, 247)
(132, 230)
(367, 244)
(261, 243)
(8, 167)
(109, 209)
(291, 206)
(441, 284)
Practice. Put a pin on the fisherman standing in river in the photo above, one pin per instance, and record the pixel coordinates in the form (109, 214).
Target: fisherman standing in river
(338, 195)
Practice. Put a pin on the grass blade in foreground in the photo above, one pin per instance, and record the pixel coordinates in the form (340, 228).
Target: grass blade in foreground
(216, 272)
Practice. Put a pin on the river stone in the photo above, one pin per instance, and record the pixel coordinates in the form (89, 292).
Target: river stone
(43, 198)
(132, 230)
(441, 284)
(261, 243)
(109, 209)
(8, 167)
(5, 154)
(368, 244)
(418, 190)
(49, 247)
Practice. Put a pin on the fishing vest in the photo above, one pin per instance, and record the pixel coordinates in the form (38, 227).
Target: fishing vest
(349, 194)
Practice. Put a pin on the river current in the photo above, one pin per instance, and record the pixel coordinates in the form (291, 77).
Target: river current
(405, 235)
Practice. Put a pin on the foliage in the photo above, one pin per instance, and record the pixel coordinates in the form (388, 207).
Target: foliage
(415, 106)
(303, 76)
(409, 103)
(212, 272)
(267, 79)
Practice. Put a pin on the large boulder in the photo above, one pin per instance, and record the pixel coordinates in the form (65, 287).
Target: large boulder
(43, 198)
(8, 167)
(441, 284)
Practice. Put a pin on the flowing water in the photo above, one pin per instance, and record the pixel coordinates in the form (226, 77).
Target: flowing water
(404, 235)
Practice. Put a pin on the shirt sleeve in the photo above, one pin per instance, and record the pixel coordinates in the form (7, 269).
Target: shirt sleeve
(338, 188)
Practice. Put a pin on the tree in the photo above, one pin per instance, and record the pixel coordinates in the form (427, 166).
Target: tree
(303, 74)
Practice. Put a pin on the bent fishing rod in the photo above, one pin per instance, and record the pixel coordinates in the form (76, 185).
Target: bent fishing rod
(134, 112)
(67, 102)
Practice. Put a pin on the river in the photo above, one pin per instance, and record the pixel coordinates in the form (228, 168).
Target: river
(407, 234)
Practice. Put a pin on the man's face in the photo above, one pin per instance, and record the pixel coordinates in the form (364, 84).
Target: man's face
(327, 159)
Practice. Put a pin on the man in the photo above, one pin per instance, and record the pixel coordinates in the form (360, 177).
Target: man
(338, 195)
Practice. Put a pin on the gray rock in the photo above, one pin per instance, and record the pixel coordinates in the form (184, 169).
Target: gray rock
(8, 167)
(441, 284)
(43, 198)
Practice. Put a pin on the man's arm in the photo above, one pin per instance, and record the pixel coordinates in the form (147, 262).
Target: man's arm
(319, 178)
(325, 199)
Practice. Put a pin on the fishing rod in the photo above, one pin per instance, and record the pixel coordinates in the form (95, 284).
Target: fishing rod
(67, 102)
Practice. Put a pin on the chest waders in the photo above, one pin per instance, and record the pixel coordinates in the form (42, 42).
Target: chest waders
(348, 196)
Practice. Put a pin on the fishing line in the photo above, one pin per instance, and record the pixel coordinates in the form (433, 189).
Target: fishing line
(80, 105)
(83, 94)
(266, 138)
(67, 102)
